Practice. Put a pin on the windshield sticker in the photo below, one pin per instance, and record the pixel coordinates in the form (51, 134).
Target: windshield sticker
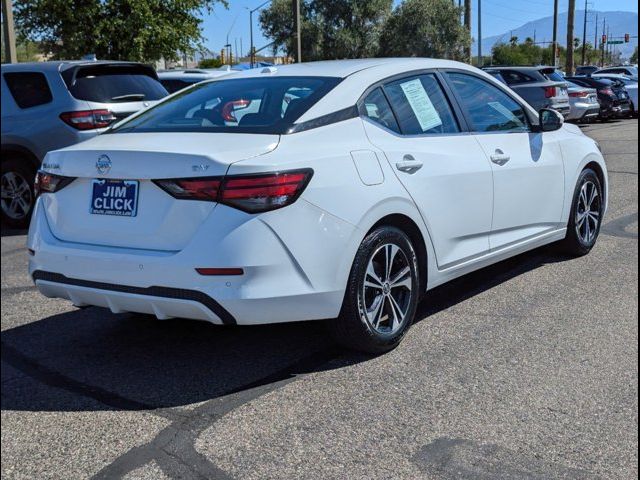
(421, 105)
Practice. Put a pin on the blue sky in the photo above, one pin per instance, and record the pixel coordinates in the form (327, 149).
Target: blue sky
(498, 17)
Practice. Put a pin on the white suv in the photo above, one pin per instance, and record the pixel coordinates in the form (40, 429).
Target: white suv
(50, 105)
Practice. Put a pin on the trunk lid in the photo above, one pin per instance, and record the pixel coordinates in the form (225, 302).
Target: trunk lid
(160, 222)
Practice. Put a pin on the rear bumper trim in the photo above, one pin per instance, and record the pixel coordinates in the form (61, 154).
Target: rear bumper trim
(155, 291)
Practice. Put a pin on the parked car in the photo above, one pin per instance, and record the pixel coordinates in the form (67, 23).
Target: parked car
(377, 181)
(586, 70)
(627, 70)
(49, 105)
(630, 85)
(584, 103)
(174, 80)
(542, 87)
(613, 97)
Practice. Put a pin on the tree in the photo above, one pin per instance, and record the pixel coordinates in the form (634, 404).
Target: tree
(330, 29)
(634, 57)
(210, 63)
(142, 30)
(425, 28)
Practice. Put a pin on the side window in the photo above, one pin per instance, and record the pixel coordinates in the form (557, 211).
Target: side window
(490, 109)
(376, 107)
(421, 106)
(28, 89)
(514, 78)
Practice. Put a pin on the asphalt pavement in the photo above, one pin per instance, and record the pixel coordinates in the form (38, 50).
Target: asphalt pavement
(524, 370)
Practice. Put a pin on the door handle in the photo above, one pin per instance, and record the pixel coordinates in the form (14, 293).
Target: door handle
(409, 164)
(500, 158)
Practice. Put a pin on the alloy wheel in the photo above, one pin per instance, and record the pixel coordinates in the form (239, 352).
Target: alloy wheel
(15, 197)
(588, 212)
(387, 289)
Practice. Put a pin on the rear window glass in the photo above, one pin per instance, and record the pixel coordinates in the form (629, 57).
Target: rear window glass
(174, 85)
(28, 89)
(114, 84)
(248, 105)
(513, 78)
(552, 75)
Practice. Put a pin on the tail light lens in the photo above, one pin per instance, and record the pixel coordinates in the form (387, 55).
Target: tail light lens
(607, 91)
(550, 92)
(249, 193)
(579, 94)
(88, 119)
(50, 183)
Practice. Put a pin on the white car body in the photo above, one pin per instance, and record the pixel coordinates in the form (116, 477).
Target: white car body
(466, 208)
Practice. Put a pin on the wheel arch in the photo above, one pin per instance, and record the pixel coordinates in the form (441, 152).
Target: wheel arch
(13, 150)
(411, 229)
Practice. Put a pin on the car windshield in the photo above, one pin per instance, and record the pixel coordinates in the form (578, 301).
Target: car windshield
(248, 105)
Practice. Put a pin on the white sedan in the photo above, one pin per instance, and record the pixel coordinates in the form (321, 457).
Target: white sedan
(334, 190)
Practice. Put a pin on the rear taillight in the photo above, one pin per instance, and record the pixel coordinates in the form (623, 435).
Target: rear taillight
(550, 92)
(88, 119)
(579, 94)
(607, 91)
(249, 193)
(50, 183)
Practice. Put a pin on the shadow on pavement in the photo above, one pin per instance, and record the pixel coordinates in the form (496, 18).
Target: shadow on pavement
(96, 360)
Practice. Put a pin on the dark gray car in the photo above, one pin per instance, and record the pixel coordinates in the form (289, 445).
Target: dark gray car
(541, 87)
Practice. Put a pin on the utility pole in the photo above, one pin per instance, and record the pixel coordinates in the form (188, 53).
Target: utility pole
(9, 32)
(554, 44)
(298, 31)
(584, 33)
(467, 25)
(480, 62)
(570, 29)
(595, 38)
(604, 32)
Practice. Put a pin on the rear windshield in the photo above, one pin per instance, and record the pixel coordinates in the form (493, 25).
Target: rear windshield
(114, 84)
(552, 75)
(173, 85)
(248, 105)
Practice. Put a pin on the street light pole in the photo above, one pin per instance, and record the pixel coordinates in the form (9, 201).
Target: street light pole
(252, 60)
(480, 62)
(555, 33)
(298, 33)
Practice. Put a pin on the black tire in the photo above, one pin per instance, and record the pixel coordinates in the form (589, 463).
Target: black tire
(352, 328)
(16, 169)
(575, 242)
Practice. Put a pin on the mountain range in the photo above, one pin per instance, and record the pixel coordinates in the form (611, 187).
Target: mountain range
(542, 29)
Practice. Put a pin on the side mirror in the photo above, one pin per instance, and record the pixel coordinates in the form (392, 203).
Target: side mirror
(550, 120)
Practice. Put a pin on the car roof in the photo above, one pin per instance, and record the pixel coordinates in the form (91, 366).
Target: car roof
(59, 65)
(191, 74)
(522, 68)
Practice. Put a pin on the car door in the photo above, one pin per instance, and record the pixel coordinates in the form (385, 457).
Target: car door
(441, 166)
(528, 171)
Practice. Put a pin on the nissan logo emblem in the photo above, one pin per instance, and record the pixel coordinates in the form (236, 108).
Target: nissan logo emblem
(103, 165)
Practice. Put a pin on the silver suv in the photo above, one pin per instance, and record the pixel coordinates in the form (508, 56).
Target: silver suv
(542, 87)
(50, 105)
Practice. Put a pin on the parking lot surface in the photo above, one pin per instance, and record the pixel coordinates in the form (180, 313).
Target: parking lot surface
(524, 370)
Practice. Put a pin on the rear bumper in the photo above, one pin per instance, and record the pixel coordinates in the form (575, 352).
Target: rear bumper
(283, 280)
(584, 111)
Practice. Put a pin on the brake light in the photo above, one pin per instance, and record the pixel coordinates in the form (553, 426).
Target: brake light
(50, 183)
(192, 189)
(550, 92)
(249, 193)
(88, 119)
(582, 94)
(607, 91)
